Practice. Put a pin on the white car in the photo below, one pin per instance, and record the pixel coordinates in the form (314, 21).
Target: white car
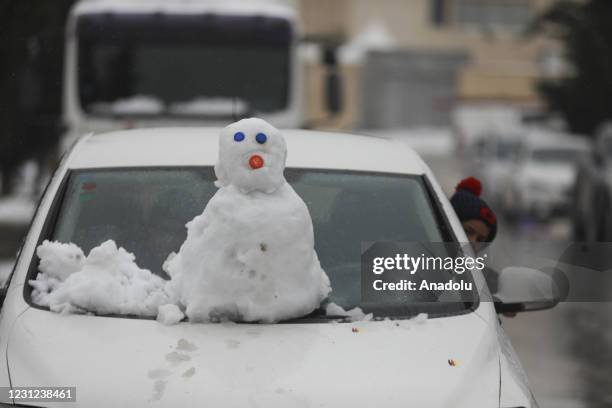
(541, 182)
(491, 159)
(139, 187)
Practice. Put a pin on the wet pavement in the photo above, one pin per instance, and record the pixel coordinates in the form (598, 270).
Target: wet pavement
(566, 351)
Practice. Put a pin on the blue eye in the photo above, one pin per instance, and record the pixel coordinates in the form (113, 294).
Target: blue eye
(239, 136)
(261, 138)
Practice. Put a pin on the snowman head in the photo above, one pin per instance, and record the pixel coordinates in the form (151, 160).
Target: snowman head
(252, 155)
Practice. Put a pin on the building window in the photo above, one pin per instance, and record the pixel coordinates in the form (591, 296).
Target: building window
(513, 14)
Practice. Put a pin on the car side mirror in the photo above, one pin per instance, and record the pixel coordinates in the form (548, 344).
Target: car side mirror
(522, 289)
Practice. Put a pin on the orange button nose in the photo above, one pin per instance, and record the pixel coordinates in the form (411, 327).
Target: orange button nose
(256, 162)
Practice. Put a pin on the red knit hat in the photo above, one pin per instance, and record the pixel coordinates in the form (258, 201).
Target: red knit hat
(469, 206)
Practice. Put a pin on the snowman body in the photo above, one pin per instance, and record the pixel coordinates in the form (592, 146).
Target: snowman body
(250, 255)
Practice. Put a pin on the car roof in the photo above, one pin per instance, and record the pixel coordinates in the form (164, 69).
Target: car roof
(162, 147)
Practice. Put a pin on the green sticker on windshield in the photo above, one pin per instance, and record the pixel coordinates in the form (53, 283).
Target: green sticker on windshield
(86, 197)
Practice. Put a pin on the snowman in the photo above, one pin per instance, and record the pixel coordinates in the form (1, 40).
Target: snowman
(250, 255)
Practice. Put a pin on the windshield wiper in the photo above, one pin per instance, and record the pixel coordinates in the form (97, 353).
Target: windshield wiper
(318, 314)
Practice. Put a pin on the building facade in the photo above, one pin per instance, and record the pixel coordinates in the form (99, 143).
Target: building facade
(422, 58)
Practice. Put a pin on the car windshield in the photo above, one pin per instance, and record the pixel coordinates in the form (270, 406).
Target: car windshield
(182, 65)
(557, 156)
(506, 149)
(145, 211)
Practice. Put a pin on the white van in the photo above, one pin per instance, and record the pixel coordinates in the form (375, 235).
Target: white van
(135, 63)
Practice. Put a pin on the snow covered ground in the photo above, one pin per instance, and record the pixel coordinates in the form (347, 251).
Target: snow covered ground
(542, 342)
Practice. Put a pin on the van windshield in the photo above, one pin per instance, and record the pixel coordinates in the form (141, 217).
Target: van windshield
(557, 156)
(182, 65)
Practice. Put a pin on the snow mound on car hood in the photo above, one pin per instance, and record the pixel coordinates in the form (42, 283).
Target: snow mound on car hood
(107, 281)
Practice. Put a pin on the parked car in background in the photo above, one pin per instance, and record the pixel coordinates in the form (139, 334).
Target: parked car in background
(541, 181)
(140, 187)
(592, 198)
(491, 158)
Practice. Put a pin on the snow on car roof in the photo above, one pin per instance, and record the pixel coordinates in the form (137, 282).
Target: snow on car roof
(199, 147)
(272, 8)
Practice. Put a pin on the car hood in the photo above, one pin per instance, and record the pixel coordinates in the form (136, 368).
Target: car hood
(441, 362)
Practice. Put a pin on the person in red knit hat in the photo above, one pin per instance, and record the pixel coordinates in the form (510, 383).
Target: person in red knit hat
(477, 218)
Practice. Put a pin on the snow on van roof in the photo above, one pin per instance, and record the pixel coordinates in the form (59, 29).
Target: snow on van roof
(271, 8)
(199, 147)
